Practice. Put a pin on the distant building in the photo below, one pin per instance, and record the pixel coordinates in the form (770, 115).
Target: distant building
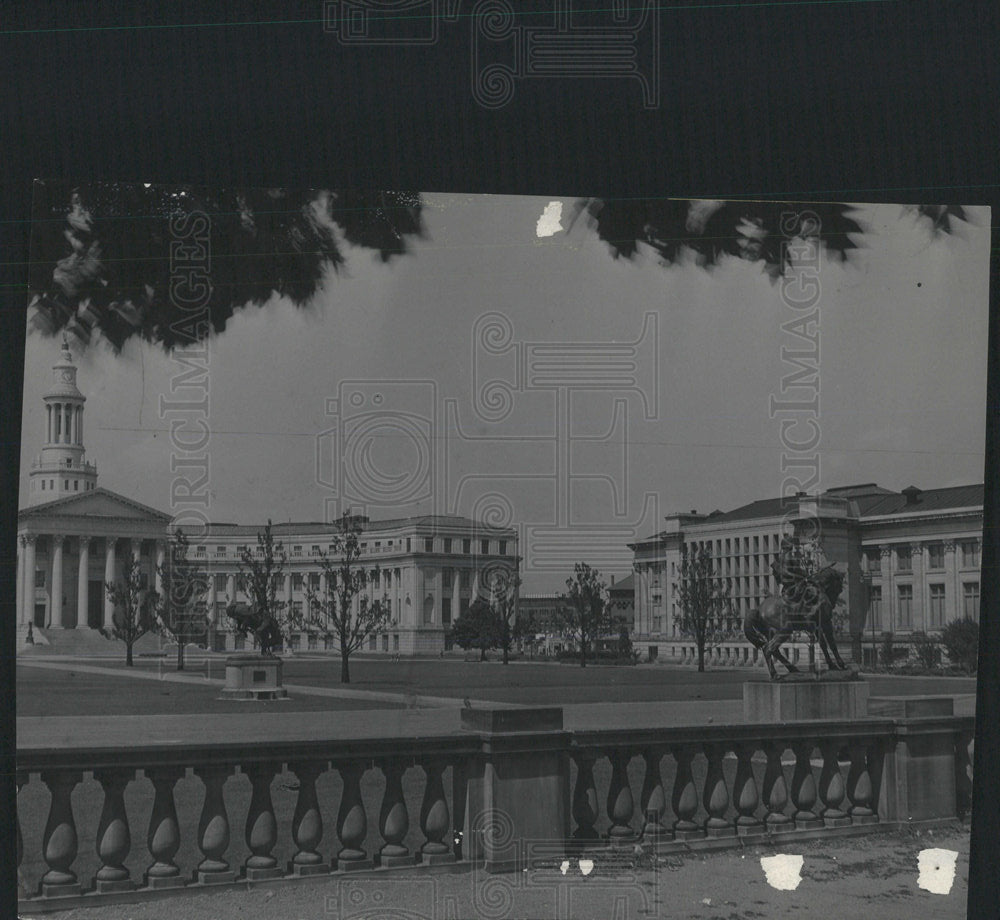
(911, 558)
(73, 536)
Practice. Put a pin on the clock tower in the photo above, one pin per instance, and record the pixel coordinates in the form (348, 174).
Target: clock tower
(61, 470)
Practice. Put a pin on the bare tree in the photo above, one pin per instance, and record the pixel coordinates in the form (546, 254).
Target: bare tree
(185, 608)
(261, 573)
(587, 608)
(332, 608)
(135, 607)
(703, 601)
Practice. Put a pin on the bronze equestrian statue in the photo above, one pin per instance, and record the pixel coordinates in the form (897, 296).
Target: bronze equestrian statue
(258, 621)
(805, 604)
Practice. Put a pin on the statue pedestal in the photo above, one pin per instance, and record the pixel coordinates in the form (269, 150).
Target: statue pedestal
(253, 677)
(806, 697)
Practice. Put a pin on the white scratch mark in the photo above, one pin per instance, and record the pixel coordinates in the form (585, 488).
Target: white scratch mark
(783, 871)
(707, 901)
(549, 223)
(937, 870)
(564, 868)
(586, 866)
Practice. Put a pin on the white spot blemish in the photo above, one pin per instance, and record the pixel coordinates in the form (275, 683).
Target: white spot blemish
(707, 901)
(586, 866)
(549, 223)
(937, 870)
(564, 868)
(783, 871)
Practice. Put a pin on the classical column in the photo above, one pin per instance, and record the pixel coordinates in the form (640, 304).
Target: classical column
(48, 424)
(56, 588)
(888, 599)
(456, 595)
(953, 602)
(28, 615)
(109, 578)
(288, 592)
(919, 607)
(19, 586)
(157, 575)
(82, 584)
(231, 588)
(79, 428)
(136, 548)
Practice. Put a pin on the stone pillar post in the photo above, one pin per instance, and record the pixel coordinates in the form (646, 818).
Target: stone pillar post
(28, 616)
(231, 587)
(82, 585)
(288, 592)
(109, 577)
(56, 587)
(19, 586)
(210, 599)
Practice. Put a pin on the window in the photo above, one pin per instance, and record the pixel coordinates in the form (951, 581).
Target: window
(446, 611)
(875, 609)
(657, 600)
(428, 544)
(76, 485)
(503, 547)
(220, 582)
(466, 578)
(484, 547)
(970, 599)
(446, 578)
(312, 640)
(315, 549)
(874, 558)
(297, 608)
(296, 550)
(296, 581)
(65, 485)
(904, 559)
(447, 544)
(220, 551)
(314, 581)
(395, 643)
(466, 546)
(371, 643)
(935, 556)
(657, 624)
(937, 606)
(39, 578)
(200, 549)
(970, 554)
(43, 485)
(385, 643)
(905, 596)
(407, 544)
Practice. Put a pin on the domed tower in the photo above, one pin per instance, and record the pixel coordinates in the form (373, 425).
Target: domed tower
(61, 468)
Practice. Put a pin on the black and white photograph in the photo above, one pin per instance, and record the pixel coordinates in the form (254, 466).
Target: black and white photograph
(432, 554)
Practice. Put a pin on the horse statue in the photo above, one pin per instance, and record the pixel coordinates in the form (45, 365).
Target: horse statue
(808, 609)
(258, 621)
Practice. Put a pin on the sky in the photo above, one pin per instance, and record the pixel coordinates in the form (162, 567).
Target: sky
(409, 350)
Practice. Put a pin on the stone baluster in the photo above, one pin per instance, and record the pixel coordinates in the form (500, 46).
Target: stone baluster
(585, 812)
(745, 795)
(59, 840)
(685, 796)
(164, 836)
(213, 828)
(716, 797)
(804, 788)
(261, 832)
(621, 804)
(307, 822)
(776, 791)
(653, 800)
(831, 787)
(352, 822)
(435, 819)
(394, 820)
(114, 839)
(859, 784)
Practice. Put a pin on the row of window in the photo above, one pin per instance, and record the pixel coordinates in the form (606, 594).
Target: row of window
(936, 613)
(51, 485)
(935, 556)
(314, 550)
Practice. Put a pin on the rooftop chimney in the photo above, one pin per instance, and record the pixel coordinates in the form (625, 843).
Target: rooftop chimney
(912, 494)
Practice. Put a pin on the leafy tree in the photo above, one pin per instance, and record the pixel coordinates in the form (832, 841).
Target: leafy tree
(135, 607)
(960, 639)
(756, 231)
(185, 608)
(502, 585)
(262, 574)
(332, 608)
(102, 256)
(587, 610)
(476, 628)
(703, 601)
(889, 651)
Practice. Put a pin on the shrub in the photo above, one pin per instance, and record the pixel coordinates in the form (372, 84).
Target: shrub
(927, 650)
(888, 652)
(960, 639)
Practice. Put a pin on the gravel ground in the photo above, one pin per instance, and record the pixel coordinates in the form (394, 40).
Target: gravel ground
(861, 877)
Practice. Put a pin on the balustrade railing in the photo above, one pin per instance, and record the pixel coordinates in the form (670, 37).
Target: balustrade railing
(401, 802)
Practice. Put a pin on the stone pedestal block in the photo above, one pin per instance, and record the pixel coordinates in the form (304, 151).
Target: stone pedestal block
(910, 707)
(804, 700)
(253, 677)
